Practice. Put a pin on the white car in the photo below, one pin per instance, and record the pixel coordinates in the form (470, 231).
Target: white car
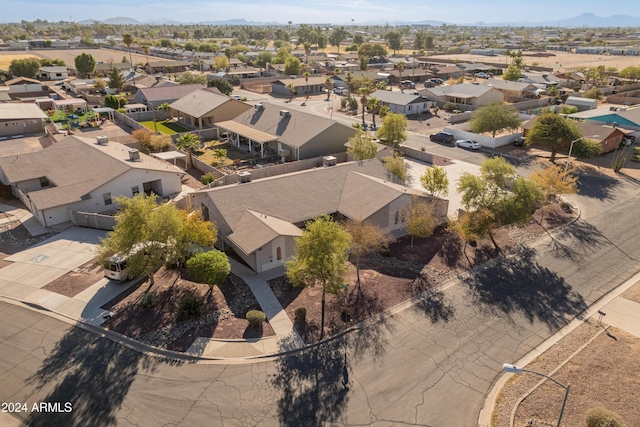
(467, 143)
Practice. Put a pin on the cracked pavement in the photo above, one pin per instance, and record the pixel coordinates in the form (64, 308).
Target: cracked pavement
(429, 365)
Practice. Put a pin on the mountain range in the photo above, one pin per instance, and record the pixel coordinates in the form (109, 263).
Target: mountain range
(583, 20)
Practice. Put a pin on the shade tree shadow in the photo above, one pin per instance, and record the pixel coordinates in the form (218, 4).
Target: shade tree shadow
(92, 373)
(597, 186)
(435, 306)
(581, 235)
(518, 285)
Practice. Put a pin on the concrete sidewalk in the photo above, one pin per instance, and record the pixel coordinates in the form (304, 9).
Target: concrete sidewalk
(24, 216)
(287, 337)
(620, 312)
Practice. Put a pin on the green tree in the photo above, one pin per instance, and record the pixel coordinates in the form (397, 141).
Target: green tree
(435, 181)
(361, 146)
(320, 259)
(292, 66)
(593, 93)
(473, 226)
(220, 154)
(149, 234)
(190, 143)
(393, 130)
(99, 84)
(210, 268)
(554, 182)
(189, 79)
(494, 118)
(365, 90)
(374, 106)
(631, 72)
(116, 80)
(337, 36)
(366, 239)
(328, 85)
(262, 59)
(27, 67)
(222, 85)
(114, 101)
(422, 221)
(554, 131)
(85, 64)
(586, 148)
(512, 73)
(601, 417)
(372, 50)
(394, 38)
(281, 55)
(127, 39)
(306, 80)
(397, 167)
(292, 91)
(400, 67)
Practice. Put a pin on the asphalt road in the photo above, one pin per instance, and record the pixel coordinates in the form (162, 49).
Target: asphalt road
(431, 364)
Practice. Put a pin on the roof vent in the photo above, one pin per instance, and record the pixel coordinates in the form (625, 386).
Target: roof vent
(329, 161)
(259, 107)
(102, 140)
(244, 177)
(134, 155)
(284, 113)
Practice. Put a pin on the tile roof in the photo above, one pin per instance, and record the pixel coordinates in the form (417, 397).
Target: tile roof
(200, 102)
(255, 230)
(76, 166)
(16, 111)
(162, 93)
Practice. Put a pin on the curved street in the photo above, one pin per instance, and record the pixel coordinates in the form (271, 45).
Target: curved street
(430, 364)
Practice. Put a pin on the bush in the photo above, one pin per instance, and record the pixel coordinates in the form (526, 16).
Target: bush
(586, 148)
(207, 178)
(601, 417)
(149, 300)
(449, 106)
(256, 317)
(190, 307)
(300, 313)
(211, 268)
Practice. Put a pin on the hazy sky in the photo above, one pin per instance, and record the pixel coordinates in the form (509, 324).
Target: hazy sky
(317, 11)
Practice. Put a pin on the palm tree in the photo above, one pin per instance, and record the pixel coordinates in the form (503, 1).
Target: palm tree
(328, 84)
(374, 105)
(127, 39)
(365, 90)
(307, 50)
(349, 78)
(400, 66)
(306, 79)
(292, 90)
(146, 51)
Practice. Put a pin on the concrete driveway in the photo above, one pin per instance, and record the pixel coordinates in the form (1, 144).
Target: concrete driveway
(41, 264)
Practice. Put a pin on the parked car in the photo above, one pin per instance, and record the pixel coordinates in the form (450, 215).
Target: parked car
(340, 91)
(484, 75)
(467, 143)
(429, 83)
(442, 137)
(408, 84)
(519, 142)
(437, 81)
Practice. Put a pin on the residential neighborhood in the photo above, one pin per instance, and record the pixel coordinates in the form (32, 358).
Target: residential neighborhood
(373, 221)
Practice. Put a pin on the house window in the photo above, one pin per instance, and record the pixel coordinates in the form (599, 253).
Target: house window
(44, 182)
(135, 190)
(278, 253)
(107, 198)
(397, 217)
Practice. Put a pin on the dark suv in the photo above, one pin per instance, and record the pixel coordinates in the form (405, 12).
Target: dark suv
(442, 137)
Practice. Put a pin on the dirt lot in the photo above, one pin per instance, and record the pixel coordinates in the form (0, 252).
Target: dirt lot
(100, 55)
(74, 282)
(7, 57)
(561, 61)
(604, 374)
(402, 273)
(156, 324)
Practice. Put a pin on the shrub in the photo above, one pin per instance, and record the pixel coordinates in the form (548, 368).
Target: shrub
(449, 106)
(256, 317)
(211, 268)
(143, 136)
(149, 300)
(190, 307)
(300, 313)
(586, 148)
(207, 178)
(601, 417)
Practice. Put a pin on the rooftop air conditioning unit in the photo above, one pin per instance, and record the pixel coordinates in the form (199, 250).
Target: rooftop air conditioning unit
(244, 177)
(284, 113)
(102, 140)
(259, 107)
(134, 155)
(329, 161)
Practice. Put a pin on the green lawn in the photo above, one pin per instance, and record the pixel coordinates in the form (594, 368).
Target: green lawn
(166, 127)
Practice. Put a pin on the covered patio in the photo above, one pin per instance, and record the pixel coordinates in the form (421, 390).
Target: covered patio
(76, 105)
(248, 138)
(171, 157)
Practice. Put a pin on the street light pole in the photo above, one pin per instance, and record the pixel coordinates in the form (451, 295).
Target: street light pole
(516, 370)
(566, 166)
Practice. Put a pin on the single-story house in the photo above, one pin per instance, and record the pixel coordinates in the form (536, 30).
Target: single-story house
(467, 94)
(53, 73)
(512, 90)
(271, 131)
(402, 103)
(206, 107)
(260, 219)
(144, 81)
(301, 87)
(19, 119)
(582, 104)
(105, 68)
(167, 67)
(24, 87)
(546, 79)
(159, 95)
(625, 118)
(446, 72)
(84, 175)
